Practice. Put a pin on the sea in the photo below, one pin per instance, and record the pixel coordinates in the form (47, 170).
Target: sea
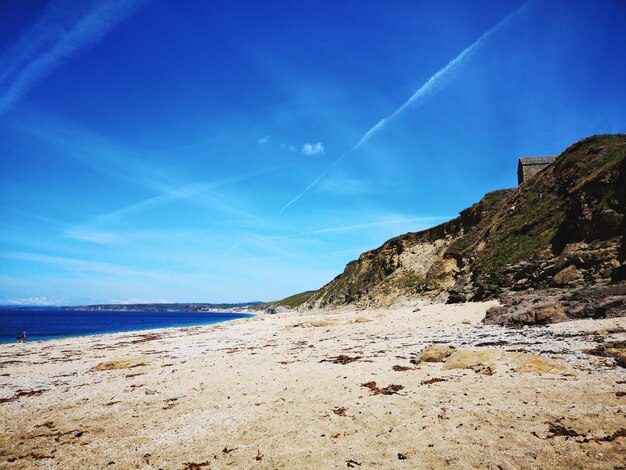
(52, 323)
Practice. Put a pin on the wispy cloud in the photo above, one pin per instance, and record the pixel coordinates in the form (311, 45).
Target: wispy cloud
(202, 194)
(65, 139)
(65, 28)
(429, 88)
(264, 140)
(291, 148)
(133, 166)
(80, 265)
(312, 149)
(93, 236)
(69, 139)
(39, 300)
(307, 148)
(275, 244)
(189, 192)
(379, 223)
(345, 186)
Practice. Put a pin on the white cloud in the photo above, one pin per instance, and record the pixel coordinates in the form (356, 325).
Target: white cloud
(291, 148)
(80, 265)
(40, 300)
(264, 140)
(313, 149)
(380, 223)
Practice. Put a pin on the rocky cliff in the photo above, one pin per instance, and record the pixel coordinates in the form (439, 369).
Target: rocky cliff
(563, 227)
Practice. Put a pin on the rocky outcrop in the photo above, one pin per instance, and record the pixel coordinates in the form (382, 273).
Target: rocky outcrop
(614, 349)
(566, 276)
(557, 305)
(411, 265)
(486, 361)
(434, 353)
(562, 228)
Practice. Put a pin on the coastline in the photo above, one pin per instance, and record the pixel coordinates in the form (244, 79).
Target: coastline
(295, 390)
(128, 328)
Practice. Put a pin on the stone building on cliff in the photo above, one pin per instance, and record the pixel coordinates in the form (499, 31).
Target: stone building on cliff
(530, 166)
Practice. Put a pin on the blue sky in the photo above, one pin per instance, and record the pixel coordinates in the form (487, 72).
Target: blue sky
(231, 151)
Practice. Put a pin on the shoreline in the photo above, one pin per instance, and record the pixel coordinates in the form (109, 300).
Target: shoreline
(315, 390)
(39, 338)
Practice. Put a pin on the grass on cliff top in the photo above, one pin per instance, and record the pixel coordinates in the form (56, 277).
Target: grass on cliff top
(484, 210)
(292, 301)
(528, 220)
(507, 226)
(602, 154)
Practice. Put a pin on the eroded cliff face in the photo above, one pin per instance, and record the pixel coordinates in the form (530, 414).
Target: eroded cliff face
(563, 227)
(412, 265)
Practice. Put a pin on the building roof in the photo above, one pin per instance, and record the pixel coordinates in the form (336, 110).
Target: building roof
(537, 160)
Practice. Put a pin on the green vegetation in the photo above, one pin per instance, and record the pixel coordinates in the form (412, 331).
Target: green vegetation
(413, 280)
(514, 225)
(568, 201)
(528, 221)
(355, 279)
(174, 307)
(292, 301)
(479, 216)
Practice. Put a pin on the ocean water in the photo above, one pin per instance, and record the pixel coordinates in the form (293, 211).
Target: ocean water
(51, 323)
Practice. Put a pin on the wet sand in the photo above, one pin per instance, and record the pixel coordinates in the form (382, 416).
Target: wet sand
(317, 391)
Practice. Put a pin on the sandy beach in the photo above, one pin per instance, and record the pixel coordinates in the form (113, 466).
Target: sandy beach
(319, 390)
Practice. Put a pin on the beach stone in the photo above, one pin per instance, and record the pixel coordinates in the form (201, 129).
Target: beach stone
(618, 353)
(315, 324)
(535, 364)
(566, 276)
(558, 305)
(614, 349)
(497, 315)
(614, 306)
(480, 361)
(121, 364)
(550, 312)
(527, 313)
(523, 317)
(434, 353)
(323, 323)
(608, 331)
(565, 256)
(485, 361)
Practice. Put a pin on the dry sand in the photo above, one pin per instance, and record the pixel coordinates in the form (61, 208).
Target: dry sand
(265, 393)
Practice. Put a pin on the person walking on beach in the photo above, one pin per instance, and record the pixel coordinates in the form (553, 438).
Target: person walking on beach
(20, 337)
(23, 336)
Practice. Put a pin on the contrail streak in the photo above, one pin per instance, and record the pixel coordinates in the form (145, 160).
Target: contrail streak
(432, 85)
(196, 192)
(350, 228)
(63, 30)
